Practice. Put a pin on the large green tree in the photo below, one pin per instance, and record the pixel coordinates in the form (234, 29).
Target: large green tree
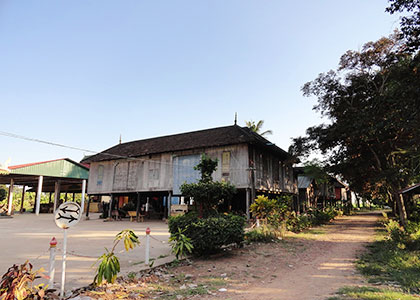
(410, 22)
(372, 104)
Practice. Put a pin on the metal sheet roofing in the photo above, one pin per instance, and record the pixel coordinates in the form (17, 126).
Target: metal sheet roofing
(304, 182)
(413, 189)
(62, 168)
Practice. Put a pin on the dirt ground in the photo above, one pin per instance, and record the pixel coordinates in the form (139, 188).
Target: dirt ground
(311, 265)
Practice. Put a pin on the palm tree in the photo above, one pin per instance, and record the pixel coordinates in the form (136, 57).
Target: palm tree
(256, 127)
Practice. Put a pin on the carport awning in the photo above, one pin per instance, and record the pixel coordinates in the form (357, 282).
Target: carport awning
(67, 171)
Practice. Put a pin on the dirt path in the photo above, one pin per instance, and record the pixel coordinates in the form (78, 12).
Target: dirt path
(306, 266)
(326, 265)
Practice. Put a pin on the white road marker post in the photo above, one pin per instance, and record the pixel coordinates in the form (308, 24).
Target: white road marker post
(63, 268)
(67, 215)
(51, 271)
(147, 255)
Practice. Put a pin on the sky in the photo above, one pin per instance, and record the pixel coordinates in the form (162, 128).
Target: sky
(81, 73)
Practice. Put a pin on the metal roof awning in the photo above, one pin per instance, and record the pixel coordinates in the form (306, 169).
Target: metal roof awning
(58, 176)
(414, 189)
(69, 172)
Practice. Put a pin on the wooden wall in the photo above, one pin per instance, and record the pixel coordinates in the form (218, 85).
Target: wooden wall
(155, 172)
(272, 173)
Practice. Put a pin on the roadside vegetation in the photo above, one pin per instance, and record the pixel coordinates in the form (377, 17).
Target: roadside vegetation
(275, 217)
(391, 264)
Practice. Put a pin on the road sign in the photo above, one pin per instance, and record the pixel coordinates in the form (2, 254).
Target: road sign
(67, 215)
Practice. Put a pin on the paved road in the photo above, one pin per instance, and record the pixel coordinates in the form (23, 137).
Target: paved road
(27, 237)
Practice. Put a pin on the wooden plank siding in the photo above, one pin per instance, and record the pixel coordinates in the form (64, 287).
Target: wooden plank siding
(272, 174)
(155, 172)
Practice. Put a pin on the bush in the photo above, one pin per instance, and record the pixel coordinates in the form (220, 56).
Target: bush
(313, 217)
(263, 208)
(210, 234)
(263, 234)
(299, 223)
(18, 283)
(408, 238)
(109, 264)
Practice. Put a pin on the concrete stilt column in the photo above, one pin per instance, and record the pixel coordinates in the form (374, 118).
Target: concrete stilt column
(10, 198)
(38, 195)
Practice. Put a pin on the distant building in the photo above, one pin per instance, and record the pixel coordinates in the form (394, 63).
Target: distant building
(314, 195)
(152, 170)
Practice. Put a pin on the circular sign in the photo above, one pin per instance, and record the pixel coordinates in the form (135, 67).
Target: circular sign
(67, 215)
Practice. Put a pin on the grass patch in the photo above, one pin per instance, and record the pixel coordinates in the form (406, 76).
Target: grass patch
(386, 263)
(311, 233)
(371, 293)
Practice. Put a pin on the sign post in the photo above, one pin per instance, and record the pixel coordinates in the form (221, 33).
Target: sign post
(67, 215)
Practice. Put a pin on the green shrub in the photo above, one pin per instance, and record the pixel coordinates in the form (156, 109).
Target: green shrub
(404, 238)
(208, 235)
(181, 244)
(263, 234)
(313, 217)
(109, 264)
(299, 223)
(263, 208)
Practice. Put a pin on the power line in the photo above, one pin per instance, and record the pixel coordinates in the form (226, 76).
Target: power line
(21, 137)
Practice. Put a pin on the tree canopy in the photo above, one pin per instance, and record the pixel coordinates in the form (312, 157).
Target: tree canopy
(372, 102)
(410, 23)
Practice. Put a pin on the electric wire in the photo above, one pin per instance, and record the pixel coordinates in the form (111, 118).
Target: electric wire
(21, 137)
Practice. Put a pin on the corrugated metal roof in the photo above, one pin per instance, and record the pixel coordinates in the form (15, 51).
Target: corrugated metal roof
(64, 168)
(304, 182)
(411, 189)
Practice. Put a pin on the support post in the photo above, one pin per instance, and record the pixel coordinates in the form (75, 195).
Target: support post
(82, 202)
(38, 195)
(110, 208)
(248, 197)
(87, 209)
(138, 207)
(169, 203)
(56, 194)
(49, 199)
(10, 198)
(23, 199)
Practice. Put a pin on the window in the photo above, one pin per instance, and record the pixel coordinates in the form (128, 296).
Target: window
(225, 163)
(100, 175)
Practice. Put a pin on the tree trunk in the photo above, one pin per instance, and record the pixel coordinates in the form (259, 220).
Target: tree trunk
(398, 198)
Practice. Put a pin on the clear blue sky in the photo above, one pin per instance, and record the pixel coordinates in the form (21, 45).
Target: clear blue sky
(83, 72)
